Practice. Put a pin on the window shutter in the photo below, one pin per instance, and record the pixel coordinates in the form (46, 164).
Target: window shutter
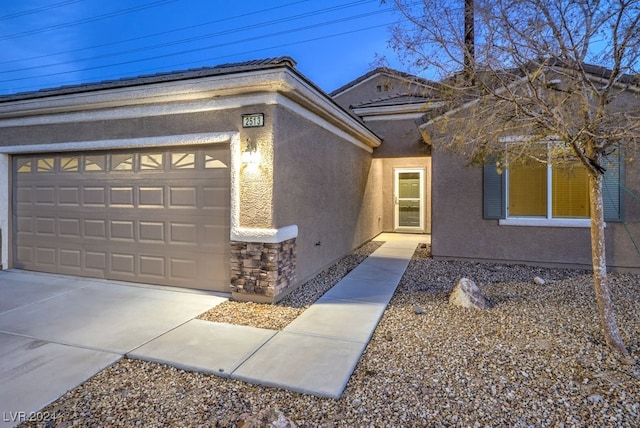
(611, 196)
(494, 206)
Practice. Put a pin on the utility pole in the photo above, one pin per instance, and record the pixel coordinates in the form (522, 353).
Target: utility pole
(469, 42)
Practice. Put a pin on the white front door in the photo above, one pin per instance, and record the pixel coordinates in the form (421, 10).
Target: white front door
(409, 199)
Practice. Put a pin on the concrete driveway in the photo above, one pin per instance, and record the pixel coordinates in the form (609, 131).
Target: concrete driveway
(58, 331)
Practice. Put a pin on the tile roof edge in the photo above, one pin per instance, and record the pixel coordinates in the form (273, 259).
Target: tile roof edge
(160, 77)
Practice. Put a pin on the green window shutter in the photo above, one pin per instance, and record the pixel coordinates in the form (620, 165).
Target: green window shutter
(611, 195)
(494, 205)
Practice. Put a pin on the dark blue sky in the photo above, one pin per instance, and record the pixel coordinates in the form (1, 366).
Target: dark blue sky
(50, 43)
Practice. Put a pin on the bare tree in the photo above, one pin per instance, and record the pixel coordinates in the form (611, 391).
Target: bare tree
(532, 74)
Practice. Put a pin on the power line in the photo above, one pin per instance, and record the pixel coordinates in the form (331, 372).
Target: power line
(86, 20)
(140, 72)
(38, 9)
(278, 33)
(191, 39)
(190, 27)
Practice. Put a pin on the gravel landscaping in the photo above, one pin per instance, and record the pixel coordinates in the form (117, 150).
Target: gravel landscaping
(278, 316)
(535, 358)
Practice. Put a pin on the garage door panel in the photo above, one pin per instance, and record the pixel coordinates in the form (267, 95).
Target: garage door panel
(123, 263)
(71, 259)
(46, 225)
(46, 256)
(45, 196)
(123, 229)
(95, 261)
(94, 196)
(24, 195)
(214, 234)
(183, 197)
(69, 227)
(24, 225)
(151, 196)
(153, 266)
(213, 197)
(158, 217)
(95, 229)
(122, 196)
(24, 256)
(69, 195)
(151, 231)
(182, 233)
(182, 269)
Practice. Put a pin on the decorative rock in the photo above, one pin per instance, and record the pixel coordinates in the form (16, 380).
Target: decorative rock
(356, 402)
(595, 398)
(418, 310)
(539, 280)
(467, 294)
(266, 418)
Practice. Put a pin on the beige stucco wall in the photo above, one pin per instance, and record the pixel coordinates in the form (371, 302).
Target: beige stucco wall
(255, 190)
(368, 89)
(149, 126)
(400, 138)
(325, 185)
(459, 231)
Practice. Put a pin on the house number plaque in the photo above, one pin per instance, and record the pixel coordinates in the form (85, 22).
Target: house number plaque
(252, 120)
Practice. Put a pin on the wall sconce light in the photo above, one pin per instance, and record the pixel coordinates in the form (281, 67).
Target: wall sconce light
(251, 155)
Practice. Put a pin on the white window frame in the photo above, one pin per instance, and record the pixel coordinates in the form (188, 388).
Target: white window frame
(548, 220)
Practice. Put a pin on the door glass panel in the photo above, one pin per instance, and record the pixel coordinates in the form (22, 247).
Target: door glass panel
(94, 163)
(409, 199)
(212, 162)
(24, 165)
(122, 162)
(151, 162)
(409, 214)
(45, 164)
(183, 160)
(409, 185)
(69, 163)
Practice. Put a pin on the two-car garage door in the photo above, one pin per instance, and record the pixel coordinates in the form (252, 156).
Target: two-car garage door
(156, 216)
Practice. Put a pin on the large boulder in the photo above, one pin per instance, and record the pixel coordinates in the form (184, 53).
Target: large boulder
(467, 294)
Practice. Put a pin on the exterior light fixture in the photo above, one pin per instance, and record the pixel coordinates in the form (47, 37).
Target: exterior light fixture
(251, 155)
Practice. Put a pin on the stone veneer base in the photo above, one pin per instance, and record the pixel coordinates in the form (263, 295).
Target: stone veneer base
(262, 272)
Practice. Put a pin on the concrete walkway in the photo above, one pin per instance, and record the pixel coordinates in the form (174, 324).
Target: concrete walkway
(315, 354)
(58, 331)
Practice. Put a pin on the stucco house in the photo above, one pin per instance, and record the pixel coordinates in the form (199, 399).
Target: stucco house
(536, 213)
(241, 177)
(245, 178)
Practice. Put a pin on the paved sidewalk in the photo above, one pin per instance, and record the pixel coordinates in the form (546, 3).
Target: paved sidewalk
(315, 354)
(58, 331)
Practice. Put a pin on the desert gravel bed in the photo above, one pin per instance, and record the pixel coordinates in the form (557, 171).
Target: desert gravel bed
(536, 358)
(278, 316)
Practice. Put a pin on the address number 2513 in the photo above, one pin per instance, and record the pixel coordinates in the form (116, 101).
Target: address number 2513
(252, 120)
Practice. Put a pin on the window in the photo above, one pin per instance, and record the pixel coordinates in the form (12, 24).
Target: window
(183, 160)
(537, 193)
(151, 162)
(537, 188)
(122, 162)
(69, 163)
(45, 164)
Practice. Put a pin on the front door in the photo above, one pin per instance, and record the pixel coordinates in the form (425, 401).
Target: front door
(409, 199)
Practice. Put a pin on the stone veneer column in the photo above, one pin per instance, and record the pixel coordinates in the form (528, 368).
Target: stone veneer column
(262, 272)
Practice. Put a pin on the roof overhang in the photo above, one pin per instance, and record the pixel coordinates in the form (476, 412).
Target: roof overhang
(410, 111)
(184, 96)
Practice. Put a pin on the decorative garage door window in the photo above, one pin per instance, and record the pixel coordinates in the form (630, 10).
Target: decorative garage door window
(156, 216)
